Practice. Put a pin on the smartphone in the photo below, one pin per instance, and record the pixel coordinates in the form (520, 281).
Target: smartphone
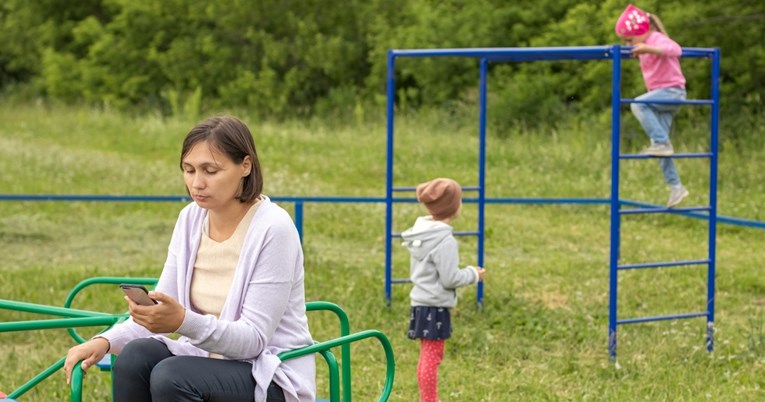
(138, 294)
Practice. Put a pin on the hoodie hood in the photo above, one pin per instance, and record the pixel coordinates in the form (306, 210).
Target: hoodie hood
(424, 236)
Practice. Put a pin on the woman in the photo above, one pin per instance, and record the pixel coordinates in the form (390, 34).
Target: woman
(231, 288)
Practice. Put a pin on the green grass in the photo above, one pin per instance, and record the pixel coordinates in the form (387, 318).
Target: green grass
(541, 335)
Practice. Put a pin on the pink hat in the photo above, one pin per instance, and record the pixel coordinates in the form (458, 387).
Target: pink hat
(632, 22)
(442, 197)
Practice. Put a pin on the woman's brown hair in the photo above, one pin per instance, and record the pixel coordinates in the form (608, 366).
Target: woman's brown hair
(230, 136)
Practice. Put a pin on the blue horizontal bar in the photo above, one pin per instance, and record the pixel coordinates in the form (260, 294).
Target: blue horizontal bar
(397, 235)
(720, 218)
(513, 53)
(536, 53)
(663, 210)
(662, 264)
(546, 200)
(466, 188)
(677, 156)
(401, 281)
(74, 197)
(172, 198)
(660, 318)
(175, 198)
(670, 101)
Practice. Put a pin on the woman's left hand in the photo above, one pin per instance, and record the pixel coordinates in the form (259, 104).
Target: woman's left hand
(164, 317)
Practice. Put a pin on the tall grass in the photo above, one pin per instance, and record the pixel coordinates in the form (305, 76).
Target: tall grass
(541, 334)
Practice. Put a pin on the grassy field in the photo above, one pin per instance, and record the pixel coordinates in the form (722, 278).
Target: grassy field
(542, 332)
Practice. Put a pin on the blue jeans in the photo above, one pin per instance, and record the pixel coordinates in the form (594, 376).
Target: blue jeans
(656, 119)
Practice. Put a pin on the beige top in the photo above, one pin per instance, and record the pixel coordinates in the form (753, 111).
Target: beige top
(215, 266)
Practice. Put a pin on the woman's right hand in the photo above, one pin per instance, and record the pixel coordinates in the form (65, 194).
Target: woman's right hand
(90, 352)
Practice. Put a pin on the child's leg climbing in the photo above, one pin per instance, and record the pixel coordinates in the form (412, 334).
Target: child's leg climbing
(431, 355)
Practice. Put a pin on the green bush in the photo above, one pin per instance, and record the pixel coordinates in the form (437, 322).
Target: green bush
(283, 59)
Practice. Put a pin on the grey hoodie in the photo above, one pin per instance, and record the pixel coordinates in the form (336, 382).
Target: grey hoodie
(434, 268)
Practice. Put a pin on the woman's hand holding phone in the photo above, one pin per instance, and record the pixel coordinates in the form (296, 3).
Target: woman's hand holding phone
(154, 311)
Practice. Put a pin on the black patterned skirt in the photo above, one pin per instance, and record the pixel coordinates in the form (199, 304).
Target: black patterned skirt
(429, 323)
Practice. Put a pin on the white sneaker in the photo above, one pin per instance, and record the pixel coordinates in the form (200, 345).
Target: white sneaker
(659, 150)
(676, 195)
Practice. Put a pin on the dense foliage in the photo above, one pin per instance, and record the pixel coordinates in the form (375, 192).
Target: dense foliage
(279, 57)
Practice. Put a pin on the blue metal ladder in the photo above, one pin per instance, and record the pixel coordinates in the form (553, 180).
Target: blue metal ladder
(390, 189)
(616, 203)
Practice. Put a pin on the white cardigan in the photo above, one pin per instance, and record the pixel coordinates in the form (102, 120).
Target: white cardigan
(264, 313)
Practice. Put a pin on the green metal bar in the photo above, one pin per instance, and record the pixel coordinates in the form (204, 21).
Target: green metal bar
(81, 318)
(46, 309)
(345, 349)
(37, 379)
(100, 280)
(105, 280)
(76, 384)
(334, 376)
(58, 323)
(326, 345)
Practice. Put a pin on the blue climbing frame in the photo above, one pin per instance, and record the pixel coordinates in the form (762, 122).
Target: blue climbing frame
(614, 53)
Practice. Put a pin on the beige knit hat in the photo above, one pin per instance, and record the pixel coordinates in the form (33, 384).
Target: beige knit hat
(442, 197)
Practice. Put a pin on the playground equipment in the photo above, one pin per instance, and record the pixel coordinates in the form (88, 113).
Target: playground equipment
(339, 379)
(615, 54)
(485, 56)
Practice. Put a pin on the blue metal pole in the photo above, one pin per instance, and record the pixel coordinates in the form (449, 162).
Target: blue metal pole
(711, 270)
(481, 172)
(391, 90)
(615, 217)
(299, 218)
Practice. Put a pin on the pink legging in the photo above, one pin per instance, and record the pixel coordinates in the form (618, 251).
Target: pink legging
(431, 355)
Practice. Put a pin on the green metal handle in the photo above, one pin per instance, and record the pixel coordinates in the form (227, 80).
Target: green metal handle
(58, 323)
(37, 379)
(345, 349)
(76, 384)
(326, 345)
(49, 310)
(334, 376)
(100, 280)
(78, 318)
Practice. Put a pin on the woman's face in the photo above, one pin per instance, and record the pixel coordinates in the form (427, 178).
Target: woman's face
(212, 178)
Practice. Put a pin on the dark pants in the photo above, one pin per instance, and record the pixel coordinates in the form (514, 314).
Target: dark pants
(147, 371)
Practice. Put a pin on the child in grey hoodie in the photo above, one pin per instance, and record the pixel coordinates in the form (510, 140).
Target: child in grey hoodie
(436, 275)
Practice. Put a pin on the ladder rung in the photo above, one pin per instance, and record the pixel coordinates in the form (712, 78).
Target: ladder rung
(398, 235)
(676, 156)
(661, 210)
(662, 264)
(661, 318)
(464, 188)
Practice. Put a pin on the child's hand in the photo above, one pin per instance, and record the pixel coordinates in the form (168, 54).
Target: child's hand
(481, 273)
(642, 48)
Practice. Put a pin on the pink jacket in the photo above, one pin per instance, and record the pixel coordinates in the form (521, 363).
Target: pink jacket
(662, 71)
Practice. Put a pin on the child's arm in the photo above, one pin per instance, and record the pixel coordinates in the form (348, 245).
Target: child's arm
(642, 48)
(446, 260)
(663, 46)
